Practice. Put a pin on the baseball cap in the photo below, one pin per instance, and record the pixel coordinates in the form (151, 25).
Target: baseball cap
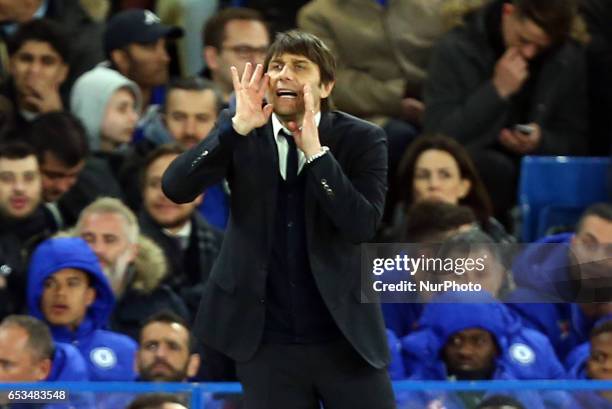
(136, 26)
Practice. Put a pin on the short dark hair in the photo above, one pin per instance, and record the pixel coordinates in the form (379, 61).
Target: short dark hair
(169, 317)
(61, 134)
(213, 32)
(195, 84)
(477, 198)
(555, 17)
(602, 328)
(307, 45)
(44, 31)
(155, 401)
(499, 401)
(601, 210)
(172, 148)
(15, 150)
(39, 337)
(430, 221)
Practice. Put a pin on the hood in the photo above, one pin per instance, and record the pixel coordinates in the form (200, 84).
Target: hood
(90, 95)
(68, 365)
(153, 127)
(543, 264)
(69, 252)
(150, 265)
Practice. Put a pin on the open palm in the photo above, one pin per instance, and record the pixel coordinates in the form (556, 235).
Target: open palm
(250, 91)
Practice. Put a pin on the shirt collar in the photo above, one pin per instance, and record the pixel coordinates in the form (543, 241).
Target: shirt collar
(277, 124)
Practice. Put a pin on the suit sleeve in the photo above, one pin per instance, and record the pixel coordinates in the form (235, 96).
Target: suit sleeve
(202, 166)
(355, 201)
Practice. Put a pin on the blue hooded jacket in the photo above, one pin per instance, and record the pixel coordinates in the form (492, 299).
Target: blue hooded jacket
(109, 356)
(577, 361)
(541, 273)
(68, 365)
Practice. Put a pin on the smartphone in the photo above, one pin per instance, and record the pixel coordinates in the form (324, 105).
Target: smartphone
(524, 129)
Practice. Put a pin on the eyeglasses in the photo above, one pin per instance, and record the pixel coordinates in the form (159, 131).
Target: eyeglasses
(246, 51)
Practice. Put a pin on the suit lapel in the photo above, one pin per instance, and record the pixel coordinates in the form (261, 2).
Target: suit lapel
(270, 171)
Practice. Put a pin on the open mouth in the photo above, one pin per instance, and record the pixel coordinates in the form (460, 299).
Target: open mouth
(286, 93)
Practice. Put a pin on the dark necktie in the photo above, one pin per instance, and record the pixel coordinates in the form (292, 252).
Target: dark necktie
(292, 159)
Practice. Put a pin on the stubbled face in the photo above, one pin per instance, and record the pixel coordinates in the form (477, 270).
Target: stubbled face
(244, 41)
(20, 187)
(36, 67)
(164, 353)
(18, 363)
(107, 235)
(288, 75)
(66, 297)
(437, 177)
(470, 354)
(120, 118)
(57, 177)
(163, 210)
(146, 64)
(523, 34)
(190, 115)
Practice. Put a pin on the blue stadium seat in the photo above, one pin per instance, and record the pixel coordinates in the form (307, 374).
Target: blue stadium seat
(555, 190)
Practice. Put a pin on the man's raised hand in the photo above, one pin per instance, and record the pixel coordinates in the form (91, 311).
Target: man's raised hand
(250, 91)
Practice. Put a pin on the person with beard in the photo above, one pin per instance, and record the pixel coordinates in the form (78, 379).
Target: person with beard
(191, 245)
(511, 62)
(24, 220)
(463, 336)
(166, 350)
(563, 284)
(134, 264)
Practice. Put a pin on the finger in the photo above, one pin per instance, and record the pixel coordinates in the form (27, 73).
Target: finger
(267, 110)
(246, 75)
(235, 79)
(308, 100)
(263, 85)
(511, 53)
(256, 77)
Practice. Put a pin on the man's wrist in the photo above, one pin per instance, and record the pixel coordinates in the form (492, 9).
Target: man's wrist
(240, 127)
(322, 151)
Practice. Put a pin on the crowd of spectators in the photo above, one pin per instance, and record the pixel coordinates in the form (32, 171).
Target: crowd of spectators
(101, 273)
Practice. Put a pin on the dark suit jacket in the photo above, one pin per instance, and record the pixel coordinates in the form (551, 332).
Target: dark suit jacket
(345, 193)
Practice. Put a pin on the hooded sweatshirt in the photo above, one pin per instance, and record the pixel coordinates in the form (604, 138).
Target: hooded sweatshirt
(576, 363)
(109, 356)
(90, 95)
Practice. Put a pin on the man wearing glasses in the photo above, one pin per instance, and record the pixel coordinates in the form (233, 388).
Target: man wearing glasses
(233, 37)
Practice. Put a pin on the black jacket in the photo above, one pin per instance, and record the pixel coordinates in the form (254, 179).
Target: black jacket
(344, 200)
(463, 103)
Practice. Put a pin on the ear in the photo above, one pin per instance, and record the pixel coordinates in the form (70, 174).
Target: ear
(43, 369)
(198, 200)
(465, 187)
(133, 249)
(63, 73)
(90, 296)
(210, 55)
(326, 89)
(193, 365)
(508, 9)
(121, 60)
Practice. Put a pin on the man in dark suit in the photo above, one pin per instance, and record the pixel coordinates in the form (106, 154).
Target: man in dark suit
(284, 297)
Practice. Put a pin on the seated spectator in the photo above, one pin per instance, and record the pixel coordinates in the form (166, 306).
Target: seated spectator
(439, 168)
(71, 179)
(68, 290)
(84, 33)
(233, 37)
(191, 245)
(39, 53)
(166, 351)
(562, 270)
(107, 104)
(190, 112)
(28, 354)
(593, 362)
(158, 401)
(135, 45)
(24, 221)
(466, 336)
(511, 63)
(134, 265)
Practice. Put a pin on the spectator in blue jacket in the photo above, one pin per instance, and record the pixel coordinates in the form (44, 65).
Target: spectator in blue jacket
(464, 336)
(593, 360)
(28, 354)
(562, 269)
(68, 290)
